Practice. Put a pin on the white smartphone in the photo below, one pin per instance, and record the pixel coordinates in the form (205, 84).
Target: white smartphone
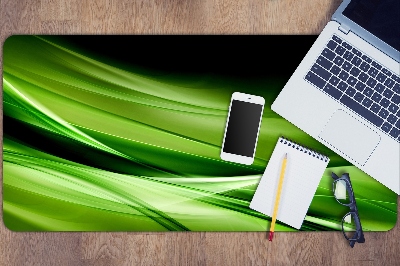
(242, 128)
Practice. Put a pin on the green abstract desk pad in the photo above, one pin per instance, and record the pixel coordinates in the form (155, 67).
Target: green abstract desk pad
(123, 133)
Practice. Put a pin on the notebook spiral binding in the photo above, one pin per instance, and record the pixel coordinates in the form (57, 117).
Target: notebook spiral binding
(304, 149)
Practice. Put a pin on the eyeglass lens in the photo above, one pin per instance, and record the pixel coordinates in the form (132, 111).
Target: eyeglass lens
(340, 192)
(349, 225)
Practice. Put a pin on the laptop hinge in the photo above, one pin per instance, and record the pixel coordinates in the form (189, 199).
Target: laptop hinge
(344, 28)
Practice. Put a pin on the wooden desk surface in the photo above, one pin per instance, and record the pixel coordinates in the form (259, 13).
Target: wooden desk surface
(180, 17)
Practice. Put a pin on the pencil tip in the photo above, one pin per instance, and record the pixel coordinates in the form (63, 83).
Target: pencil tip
(285, 155)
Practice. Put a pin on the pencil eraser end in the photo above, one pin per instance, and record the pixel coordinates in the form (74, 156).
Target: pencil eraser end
(271, 235)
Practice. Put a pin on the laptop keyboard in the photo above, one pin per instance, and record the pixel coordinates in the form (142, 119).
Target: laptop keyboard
(360, 83)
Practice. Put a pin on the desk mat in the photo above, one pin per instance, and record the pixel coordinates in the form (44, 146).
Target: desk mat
(123, 133)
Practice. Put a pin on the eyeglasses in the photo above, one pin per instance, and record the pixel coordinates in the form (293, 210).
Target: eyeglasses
(350, 201)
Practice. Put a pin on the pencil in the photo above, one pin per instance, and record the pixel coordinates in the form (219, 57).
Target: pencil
(278, 197)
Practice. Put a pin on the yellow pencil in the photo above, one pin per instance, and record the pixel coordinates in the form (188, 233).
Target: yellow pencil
(278, 196)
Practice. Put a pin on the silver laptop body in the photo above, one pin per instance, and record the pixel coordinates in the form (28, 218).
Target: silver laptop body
(346, 91)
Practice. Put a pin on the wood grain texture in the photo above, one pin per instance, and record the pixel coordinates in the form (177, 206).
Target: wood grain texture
(180, 17)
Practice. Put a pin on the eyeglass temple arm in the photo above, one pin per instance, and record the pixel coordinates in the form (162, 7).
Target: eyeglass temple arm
(352, 243)
(334, 176)
(359, 234)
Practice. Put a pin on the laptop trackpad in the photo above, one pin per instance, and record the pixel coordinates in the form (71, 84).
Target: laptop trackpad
(345, 133)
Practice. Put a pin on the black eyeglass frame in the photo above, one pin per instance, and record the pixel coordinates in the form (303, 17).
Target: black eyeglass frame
(358, 235)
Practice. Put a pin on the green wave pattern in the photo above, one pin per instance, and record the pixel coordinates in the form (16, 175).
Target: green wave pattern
(89, 146)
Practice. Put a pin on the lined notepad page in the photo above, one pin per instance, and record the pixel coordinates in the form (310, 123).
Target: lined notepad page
(304, 170)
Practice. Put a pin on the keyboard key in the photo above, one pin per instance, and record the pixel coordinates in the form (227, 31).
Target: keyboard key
(375, 108)
(355, 51)
(359, 97)
(396, 88)
(332, 91)
(364, 66)
(366, 58)
(314, 79)
(334, 81)
(361, 110)
(343, 75)
(355, 71)
(376, 65)
(396, 78)
(363, 77)
(373, 72)
(386, 71)
(332, 45)
(391, 119)
(393, 108)
(397, 124)
(328, 54)
(351, 81)
(394, 132)
(367, 102)
(346, 66)
(350, 91)
(388, 93)
(337, 39)
(381, 77)
(385, 102)
(376, 97)
(371, 82)
(321, 72)
(346, 45)
(379, 88)
(348, 55)
(342, 86)
(368, 92)
(322, 61)
(340, 50)
(360, 86)
(396, 99)
(356, 61)
(338, 60)
(383, 113)
(335, 70)
(386, 127)
(389, 82)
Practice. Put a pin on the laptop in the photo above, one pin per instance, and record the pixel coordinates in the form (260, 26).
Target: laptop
(346, 91)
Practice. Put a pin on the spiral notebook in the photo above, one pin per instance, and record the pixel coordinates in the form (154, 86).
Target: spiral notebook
(303, 173)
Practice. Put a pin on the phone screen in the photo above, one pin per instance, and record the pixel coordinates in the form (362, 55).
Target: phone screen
(242, 130)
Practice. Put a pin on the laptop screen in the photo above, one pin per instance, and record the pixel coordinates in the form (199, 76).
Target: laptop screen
(379, 17)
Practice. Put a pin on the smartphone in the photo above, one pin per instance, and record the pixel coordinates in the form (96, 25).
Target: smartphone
(242, 128)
